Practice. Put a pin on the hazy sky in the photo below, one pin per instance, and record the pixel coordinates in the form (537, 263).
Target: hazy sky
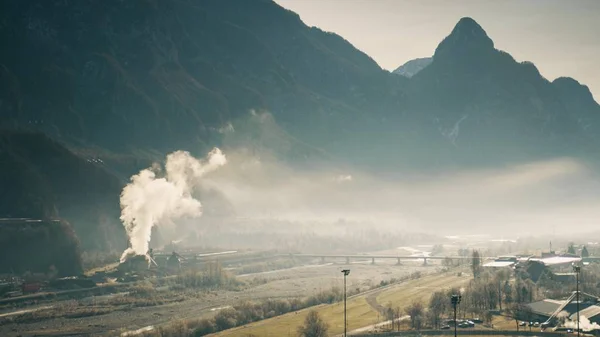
(562, 37)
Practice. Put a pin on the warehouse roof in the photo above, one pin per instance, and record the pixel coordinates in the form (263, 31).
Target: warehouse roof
(546, 307)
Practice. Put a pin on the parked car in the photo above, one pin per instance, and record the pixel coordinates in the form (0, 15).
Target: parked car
(445, 327)
(466, 324)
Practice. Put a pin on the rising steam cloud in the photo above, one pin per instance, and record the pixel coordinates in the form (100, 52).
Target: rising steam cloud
(149, 200)
(584, 324)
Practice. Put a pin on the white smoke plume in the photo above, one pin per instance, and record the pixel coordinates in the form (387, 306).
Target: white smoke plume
(149, 200)
(584, 324)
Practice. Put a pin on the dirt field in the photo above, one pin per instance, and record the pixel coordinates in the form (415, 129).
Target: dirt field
(361, 310)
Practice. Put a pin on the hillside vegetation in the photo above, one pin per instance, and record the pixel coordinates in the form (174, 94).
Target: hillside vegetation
(42, 180)
(49, 247)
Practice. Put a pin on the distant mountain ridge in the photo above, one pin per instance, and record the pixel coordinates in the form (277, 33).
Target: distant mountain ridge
(412, 67)
(159, 76)
(487, 104)
(168, 75)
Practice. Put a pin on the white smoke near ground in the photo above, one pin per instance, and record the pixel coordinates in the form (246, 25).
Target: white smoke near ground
(150, 200)
(584, 324)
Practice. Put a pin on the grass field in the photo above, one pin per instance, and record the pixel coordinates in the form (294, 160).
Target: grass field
(420, 289)
(360, 313)
(506, 323)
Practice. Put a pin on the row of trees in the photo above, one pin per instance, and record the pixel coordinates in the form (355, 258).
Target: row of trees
(572, 250)
(489, 291)
(247, 312)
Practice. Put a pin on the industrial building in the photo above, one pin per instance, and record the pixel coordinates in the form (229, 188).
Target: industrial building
(550, 311)
(558, 266)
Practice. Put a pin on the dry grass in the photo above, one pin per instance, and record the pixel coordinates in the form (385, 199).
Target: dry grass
(359, 312)
(68, 309)
(420, 289)
(105, 268)
(505, 323)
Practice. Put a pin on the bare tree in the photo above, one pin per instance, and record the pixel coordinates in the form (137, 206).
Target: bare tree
(500, 278)
(314, 326)
(517, 311)
(476, 264)
(438, 305)
(415, 311)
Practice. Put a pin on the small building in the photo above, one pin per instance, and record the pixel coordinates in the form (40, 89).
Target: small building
(564, 277)
(499, 264)
(502, 262)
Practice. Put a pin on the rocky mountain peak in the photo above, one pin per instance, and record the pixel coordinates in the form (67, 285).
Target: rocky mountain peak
(467, 38)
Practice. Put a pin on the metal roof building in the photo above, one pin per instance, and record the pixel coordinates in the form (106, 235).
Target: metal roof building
(592, 313)
(499, 264)
(558, 260)
(545, 307)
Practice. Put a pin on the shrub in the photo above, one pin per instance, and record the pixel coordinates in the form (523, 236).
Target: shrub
(225, 319)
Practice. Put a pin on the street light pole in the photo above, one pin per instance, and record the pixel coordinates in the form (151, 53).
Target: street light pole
(577, 270)
(455, 299)
(346, 272)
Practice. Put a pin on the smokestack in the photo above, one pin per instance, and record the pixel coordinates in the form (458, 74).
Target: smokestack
(148, 200)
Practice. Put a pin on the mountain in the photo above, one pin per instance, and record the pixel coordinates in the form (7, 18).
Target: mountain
(43, 180)
(163, 75)
(105, 87)
(410, 68)
(143, 78)
(494, 110)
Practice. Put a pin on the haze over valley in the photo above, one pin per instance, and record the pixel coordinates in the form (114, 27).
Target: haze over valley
(231, 137)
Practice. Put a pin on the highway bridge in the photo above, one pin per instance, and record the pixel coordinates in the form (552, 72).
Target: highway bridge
(399, 258)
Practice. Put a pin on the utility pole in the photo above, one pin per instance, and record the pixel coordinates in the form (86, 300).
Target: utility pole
(577, 270)
(346, 272)
(455, 299)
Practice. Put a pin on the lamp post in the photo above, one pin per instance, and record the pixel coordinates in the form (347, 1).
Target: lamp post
(577, 270)
(455, 301)
(346, 272)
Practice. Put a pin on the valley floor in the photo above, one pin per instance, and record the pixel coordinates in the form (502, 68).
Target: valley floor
(362, 310)
(287, 283)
